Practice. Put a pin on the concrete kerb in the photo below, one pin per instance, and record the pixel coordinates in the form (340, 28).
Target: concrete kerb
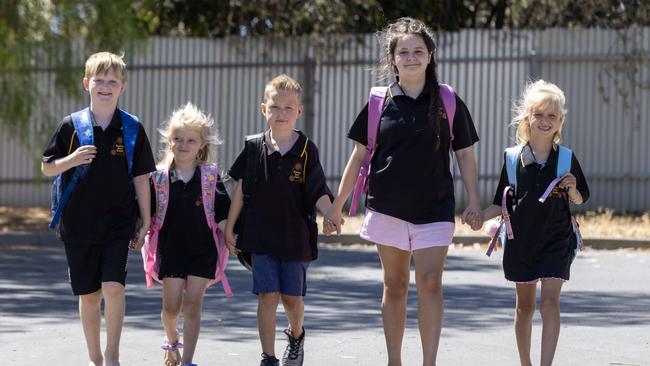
(47, 238)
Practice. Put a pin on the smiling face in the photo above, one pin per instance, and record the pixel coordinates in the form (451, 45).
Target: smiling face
(545, 120)
(185, 143)
(104, 89)
(411, 57)
(282, 109)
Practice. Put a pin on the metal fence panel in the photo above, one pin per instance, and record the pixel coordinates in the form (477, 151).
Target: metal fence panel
(604, 74)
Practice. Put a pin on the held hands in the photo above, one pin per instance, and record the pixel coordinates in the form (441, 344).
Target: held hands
(141, 230)
(333, 221)
(231, 240)
(83, 155)
(473, 216)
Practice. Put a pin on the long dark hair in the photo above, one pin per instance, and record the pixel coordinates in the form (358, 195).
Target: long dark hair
(388, 38)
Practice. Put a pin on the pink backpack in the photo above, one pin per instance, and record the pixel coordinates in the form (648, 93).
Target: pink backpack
(150, 249)
(375, 108)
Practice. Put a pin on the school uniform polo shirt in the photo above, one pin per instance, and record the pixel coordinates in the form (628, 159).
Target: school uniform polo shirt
(409, 179)
(185, 234)
(103, 205)
(275, 222)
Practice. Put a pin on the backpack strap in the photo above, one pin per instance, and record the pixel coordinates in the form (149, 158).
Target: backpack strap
(83, 128)
(511, 160)
(130, 129)
(563, 166)
(208, 192)
(448, 97)
(376, 100)
(254, 151)
(149, 251)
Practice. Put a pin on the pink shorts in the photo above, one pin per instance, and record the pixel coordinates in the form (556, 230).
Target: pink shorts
(391, 231)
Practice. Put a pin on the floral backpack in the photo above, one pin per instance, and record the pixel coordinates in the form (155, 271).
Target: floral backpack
(150, 249)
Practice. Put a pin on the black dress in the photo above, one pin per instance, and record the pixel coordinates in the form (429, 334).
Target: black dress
(185, 243)
(542, 246)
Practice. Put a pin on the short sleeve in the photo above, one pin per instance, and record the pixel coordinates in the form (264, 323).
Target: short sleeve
(503, 183)
(581, 182)
(464, 130)
(359, 129)
(60, 143)
(315, 178)
(143, 161)
(238, 169)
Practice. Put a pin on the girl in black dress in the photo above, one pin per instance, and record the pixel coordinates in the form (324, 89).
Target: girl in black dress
(185, 249)
(543, 244)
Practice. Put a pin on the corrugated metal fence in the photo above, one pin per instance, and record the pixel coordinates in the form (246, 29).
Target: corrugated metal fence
(604, 73)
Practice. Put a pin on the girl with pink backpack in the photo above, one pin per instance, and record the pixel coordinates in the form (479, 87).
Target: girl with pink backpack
(187, 253)
(405, 139)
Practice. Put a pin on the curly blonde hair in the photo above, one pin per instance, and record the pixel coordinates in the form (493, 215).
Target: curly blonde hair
(189, 116)
(536, 94)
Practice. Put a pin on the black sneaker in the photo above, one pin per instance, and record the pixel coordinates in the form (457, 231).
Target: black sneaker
(294, 353)
(269, 360)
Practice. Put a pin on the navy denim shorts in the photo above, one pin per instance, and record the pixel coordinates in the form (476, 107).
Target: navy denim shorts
(276, 275)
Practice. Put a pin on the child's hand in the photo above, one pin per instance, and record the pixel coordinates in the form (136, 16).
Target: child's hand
(138, 239)
(229, 238)
(333, 221)
(83, 155)
(568, 182)
(473, 216)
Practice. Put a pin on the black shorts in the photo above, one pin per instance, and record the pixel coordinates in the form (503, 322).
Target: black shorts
(90, 265)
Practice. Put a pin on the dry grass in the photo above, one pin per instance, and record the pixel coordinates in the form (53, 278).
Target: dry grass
(592, 224)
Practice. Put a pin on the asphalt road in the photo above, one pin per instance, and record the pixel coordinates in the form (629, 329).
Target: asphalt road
(605, 313)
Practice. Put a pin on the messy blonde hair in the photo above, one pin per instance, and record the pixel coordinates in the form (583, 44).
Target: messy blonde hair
(282, 82)
(537, 94)
(101, 62)
(189, 116)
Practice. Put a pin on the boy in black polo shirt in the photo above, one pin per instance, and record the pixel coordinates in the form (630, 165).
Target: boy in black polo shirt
(99, 220)
(278, 231)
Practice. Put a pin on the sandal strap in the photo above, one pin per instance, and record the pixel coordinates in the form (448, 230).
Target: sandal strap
(171, 346)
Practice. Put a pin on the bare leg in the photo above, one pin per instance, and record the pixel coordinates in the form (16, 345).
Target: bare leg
(192, 305)
(90, 315)
(172, 301)
(294, 307)
(114, 317)
(550, 310)
(266, 314)
(396, 267)
(429, 264)
(525, 309)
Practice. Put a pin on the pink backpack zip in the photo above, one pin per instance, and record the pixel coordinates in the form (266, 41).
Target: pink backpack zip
(376, 100)
(150, 249)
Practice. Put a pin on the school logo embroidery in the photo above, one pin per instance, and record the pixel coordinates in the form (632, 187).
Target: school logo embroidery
(296, 173)
(118, 147)
(199, 201)
(555, 193)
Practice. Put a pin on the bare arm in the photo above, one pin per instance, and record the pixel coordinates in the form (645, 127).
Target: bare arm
(469, 173)
(83, 155)
(346, 186)
(491, 211)
(143, 193)
(236, 204)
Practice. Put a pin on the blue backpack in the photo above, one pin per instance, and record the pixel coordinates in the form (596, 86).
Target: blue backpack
(62, 188)
(503, 231)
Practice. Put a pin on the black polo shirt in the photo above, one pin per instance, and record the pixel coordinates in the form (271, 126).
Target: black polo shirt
(275, 222)
(103, 203)
(409, 179)
(185, 232)
(533, 179)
